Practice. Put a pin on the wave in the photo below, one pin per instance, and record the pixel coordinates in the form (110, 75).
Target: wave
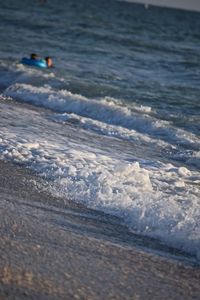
(107, 110)
(151, 198)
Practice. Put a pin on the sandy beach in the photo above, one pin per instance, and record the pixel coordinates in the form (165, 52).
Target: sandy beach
(51, 248)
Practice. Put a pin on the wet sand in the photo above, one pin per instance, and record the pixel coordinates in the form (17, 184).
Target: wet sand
(52, 248)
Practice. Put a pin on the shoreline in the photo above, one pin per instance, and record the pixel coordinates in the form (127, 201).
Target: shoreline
(51, 248)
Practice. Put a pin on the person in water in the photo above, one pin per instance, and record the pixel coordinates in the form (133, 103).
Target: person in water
(34, 56)
(47, 59)
(49, 62)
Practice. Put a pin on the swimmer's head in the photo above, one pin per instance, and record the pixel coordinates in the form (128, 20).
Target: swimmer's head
(34, 56)
(49, 61)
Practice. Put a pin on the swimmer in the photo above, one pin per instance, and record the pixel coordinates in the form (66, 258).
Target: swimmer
(49, 62)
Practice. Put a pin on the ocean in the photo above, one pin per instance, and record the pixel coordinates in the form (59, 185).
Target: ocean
(115, 125)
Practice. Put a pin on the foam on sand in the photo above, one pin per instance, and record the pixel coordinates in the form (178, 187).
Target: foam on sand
(153, 198)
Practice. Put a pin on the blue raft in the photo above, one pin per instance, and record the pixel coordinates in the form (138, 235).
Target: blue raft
(41, 63)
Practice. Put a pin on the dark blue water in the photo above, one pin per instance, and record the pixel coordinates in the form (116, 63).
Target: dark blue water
(116, 124)
(110, 48)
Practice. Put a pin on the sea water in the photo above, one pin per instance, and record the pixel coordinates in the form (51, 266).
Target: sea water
(116, 124)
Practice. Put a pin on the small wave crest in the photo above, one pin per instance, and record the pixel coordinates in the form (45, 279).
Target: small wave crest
(107, 110)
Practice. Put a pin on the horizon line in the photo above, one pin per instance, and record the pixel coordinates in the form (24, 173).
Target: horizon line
(172, 5)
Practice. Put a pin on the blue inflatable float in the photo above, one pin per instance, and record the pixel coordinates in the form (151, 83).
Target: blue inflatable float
(41, 63)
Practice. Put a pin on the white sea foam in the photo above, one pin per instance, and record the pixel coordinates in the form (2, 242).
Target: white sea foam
(13, 72)
(153, 198)
(128, 134)
(105, 110)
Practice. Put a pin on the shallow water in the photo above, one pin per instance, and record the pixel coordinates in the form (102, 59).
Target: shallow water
(115, 125)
